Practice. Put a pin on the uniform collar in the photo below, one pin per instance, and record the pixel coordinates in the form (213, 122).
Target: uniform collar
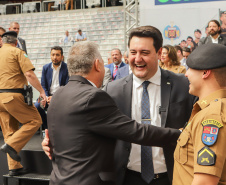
(203, 103)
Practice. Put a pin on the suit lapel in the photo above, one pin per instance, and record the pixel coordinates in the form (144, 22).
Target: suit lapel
(127, 94)
(165, 96)
(61, 73)
(50, 75)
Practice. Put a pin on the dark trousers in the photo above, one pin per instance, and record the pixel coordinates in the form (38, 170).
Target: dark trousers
(42, 114)
(134, 178)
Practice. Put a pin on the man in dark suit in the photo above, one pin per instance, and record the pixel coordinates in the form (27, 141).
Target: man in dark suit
(116, 57)
(54, 75)
(83, 149)
(170, 106)
(14, 26)
(214, 34)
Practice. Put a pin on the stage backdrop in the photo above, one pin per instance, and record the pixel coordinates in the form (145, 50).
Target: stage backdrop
(177, 19)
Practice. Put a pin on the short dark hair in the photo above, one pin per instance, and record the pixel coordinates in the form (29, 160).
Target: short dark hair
(57, 48)
(186, 49)
(217, 23)
(150, 32)
(189, 37)
(177, 47)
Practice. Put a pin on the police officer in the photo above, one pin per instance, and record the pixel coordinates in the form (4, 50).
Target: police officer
(16, 71)
(200, 155)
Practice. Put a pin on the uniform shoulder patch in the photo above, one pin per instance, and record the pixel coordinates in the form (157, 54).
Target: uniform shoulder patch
(210, 131)
(206, 157)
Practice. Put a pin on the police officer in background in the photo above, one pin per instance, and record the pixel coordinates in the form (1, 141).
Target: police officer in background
(200, 155)
(16, 71)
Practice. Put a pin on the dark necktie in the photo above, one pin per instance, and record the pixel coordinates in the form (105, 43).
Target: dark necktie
(147, 169)
(115, 72)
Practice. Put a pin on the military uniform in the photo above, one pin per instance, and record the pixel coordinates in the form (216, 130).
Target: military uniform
(13, 109)
(201, 147)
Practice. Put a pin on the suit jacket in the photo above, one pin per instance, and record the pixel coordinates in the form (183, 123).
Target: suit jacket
(207, 40)
(47, 74)
(23, 44)
(83, 149)
(111, 67)
(175, 110)
(122, 72)
(107, 77)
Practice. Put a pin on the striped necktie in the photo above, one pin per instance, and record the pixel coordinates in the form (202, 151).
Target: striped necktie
(147, 169)
(115, 72)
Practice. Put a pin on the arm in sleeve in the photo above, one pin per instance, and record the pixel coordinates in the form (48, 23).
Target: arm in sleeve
(106, 119)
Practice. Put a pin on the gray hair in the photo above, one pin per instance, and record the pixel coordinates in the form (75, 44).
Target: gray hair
(9, 39)
(81, 57)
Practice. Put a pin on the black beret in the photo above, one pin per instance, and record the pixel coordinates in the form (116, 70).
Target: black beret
(207, 56)
(11, 33)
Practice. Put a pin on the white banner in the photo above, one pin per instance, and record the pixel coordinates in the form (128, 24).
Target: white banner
(177, 22)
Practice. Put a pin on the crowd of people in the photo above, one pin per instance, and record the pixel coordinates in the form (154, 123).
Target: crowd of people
(125, 123)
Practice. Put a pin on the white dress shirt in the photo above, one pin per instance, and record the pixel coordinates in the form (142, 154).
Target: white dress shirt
(55, 80)
(215, 40)
(154, 91)
(117, 65)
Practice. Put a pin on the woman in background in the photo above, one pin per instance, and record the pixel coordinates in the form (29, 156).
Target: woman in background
(169, 60)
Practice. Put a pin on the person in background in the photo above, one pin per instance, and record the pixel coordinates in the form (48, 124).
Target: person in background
(14, 26)
(116, 57)
(186, 52)
(223, 24)
(214, 34)
(198, 35)
(169, 60)
(2, 31)
(80, 36)
(66, 38)
(180, 56)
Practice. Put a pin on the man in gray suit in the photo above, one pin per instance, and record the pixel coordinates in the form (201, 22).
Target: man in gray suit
(170, 106)
(214, 34)
(14, 26)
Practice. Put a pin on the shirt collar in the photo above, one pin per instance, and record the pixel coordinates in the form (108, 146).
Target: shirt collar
(57, 68)
(216, 38)
(92, 83)
(203, 103)
(156, 79)
(117, 65)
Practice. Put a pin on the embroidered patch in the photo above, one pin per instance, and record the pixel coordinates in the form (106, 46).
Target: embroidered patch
(25, 55)
(210, 131)
(206, 157)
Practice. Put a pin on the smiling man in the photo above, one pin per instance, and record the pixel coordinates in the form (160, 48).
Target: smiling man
(200, 155)
(170, 105)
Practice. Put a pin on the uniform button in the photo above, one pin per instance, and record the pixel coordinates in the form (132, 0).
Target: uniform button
(216, 100)
(127, 149)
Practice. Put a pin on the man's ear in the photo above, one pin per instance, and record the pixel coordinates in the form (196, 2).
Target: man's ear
(206, 74)
(97, 65)
(159, 53)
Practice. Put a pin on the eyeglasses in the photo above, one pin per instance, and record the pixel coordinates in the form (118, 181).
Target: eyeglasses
(164, 53)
